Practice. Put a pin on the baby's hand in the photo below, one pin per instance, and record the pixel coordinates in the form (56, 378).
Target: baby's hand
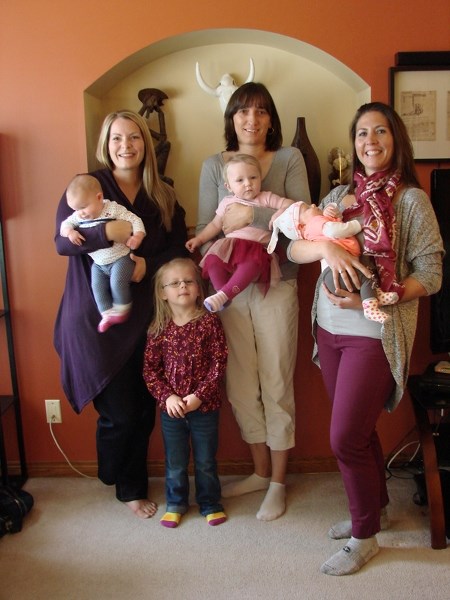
(75, 237)
(193, 244)
(135, 240)
(331, 210)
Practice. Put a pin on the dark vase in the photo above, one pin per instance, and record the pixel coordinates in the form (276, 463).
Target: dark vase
(301, 141)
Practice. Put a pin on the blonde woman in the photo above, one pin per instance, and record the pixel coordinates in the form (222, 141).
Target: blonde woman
(106, 368)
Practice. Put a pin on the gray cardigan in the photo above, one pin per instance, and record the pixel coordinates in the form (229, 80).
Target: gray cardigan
(419, 254)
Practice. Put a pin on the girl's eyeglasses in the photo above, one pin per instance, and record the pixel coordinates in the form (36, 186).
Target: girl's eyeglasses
(176, 284)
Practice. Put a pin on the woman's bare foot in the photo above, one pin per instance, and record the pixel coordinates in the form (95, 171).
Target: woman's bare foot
(142, 508)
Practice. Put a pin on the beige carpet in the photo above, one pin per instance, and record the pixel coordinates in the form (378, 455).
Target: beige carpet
(78, 543)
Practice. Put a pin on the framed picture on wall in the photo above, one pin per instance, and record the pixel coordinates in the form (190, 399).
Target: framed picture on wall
(421, 96)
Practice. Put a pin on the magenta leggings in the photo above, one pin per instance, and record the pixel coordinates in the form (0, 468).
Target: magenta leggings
(231, 283)
(358, 381)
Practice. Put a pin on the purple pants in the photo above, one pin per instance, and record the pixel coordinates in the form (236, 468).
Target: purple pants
(358, 381)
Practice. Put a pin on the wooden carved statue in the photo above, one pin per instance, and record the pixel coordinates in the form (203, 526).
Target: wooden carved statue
(152, 100)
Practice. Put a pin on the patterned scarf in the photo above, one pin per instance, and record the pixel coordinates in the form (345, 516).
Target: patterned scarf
(374, 196)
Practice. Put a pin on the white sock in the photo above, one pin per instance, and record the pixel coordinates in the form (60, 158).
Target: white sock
(274, 504)
(352, 557)
(253, 483)
(343, 529)
(121, 308)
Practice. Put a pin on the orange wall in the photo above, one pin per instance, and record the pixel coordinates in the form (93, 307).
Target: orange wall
(49, 53)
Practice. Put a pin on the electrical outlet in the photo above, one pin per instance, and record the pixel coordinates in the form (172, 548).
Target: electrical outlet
(53, 411)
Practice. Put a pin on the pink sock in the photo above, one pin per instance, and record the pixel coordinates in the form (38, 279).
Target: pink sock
(386, 298)
(372, 312)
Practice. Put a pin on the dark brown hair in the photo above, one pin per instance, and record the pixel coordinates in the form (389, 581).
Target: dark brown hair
(403, 159)
(252, 94)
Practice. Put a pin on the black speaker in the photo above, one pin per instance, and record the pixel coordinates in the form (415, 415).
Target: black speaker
(440, 302)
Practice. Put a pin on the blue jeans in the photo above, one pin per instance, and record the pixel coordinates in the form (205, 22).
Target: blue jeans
(111, 283)
(201, 431)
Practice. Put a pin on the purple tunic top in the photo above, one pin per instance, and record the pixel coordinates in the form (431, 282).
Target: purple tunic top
(89, 360)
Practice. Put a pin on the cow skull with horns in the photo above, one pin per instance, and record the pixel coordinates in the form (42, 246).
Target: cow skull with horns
(226, 86)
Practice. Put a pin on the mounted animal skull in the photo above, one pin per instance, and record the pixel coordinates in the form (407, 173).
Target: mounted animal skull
(226, 86)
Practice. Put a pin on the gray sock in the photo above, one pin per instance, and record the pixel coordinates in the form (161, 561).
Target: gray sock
(352, 557)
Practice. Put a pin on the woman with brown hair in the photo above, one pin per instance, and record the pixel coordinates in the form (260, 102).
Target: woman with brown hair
(364, 363)
(261, 330)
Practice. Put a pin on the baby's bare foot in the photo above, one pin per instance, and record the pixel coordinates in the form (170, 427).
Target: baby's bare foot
(142, 508)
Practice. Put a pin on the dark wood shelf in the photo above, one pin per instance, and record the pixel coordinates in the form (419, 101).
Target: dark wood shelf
(11, 472)
(5, 403)
(428, 393)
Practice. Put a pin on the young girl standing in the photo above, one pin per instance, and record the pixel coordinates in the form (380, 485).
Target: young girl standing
(184, 364)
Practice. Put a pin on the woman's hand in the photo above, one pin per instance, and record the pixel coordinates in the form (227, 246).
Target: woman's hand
(140, 268)
(346, 265)
(135, 240)
(236, 217)
(118, 231)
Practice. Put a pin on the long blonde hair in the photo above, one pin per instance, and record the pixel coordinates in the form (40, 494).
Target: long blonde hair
(163, 312)
(158, 192)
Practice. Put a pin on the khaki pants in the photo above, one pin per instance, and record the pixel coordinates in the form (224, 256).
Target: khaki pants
(262, 340)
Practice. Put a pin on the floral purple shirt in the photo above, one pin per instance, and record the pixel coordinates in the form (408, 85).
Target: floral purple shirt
(187, 359)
